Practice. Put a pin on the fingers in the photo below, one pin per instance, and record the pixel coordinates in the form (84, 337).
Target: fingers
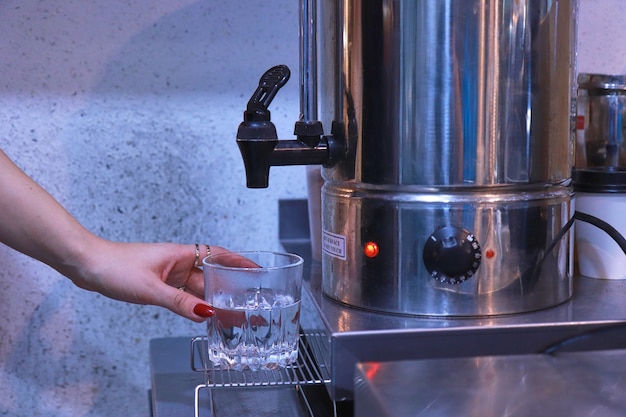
(235, 260)
(187, 305)
(190, 303)
(204, 310)
(194, 284)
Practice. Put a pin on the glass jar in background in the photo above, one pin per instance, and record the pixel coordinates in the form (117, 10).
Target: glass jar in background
(600, 124)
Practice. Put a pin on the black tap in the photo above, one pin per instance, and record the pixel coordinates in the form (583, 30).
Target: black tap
(258, 141)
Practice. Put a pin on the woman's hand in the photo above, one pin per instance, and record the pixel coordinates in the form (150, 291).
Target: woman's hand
(150, 273)
(34, 223)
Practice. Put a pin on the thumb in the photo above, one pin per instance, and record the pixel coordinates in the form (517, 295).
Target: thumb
(187, 305)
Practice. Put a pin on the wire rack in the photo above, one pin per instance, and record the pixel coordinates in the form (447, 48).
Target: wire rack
(305, 371)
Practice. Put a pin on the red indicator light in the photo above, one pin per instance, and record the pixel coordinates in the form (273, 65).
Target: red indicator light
(371, 249)
(489, 253)
(372, 370)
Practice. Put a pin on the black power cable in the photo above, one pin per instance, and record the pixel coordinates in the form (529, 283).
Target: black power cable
(618, 341)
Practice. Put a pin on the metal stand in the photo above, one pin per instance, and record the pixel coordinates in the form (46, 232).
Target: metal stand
(304, 372)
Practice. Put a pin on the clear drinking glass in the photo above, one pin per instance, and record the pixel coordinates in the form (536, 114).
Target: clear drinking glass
(257, 309)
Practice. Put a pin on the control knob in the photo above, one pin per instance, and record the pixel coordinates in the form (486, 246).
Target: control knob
(452, 255)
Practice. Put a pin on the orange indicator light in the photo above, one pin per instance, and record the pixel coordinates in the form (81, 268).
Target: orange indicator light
(371, 249)
(489, 253)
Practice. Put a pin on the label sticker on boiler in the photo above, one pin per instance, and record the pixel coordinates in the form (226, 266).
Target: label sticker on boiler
(334, 245)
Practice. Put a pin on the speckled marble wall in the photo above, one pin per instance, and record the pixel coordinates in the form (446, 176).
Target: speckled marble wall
(126, 112)
(601, 32)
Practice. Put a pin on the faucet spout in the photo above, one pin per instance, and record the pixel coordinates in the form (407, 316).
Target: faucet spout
(259, 144)
(256, 154)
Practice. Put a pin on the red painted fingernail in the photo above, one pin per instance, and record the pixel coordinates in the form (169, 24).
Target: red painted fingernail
(204, 310)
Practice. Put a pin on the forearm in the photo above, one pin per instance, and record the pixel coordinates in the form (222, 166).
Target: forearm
(34, 223)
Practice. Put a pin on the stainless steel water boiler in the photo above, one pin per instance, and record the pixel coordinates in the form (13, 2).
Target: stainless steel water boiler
(447, 169)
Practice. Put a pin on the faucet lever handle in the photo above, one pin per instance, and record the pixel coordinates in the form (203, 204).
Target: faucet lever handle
(269, 84)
